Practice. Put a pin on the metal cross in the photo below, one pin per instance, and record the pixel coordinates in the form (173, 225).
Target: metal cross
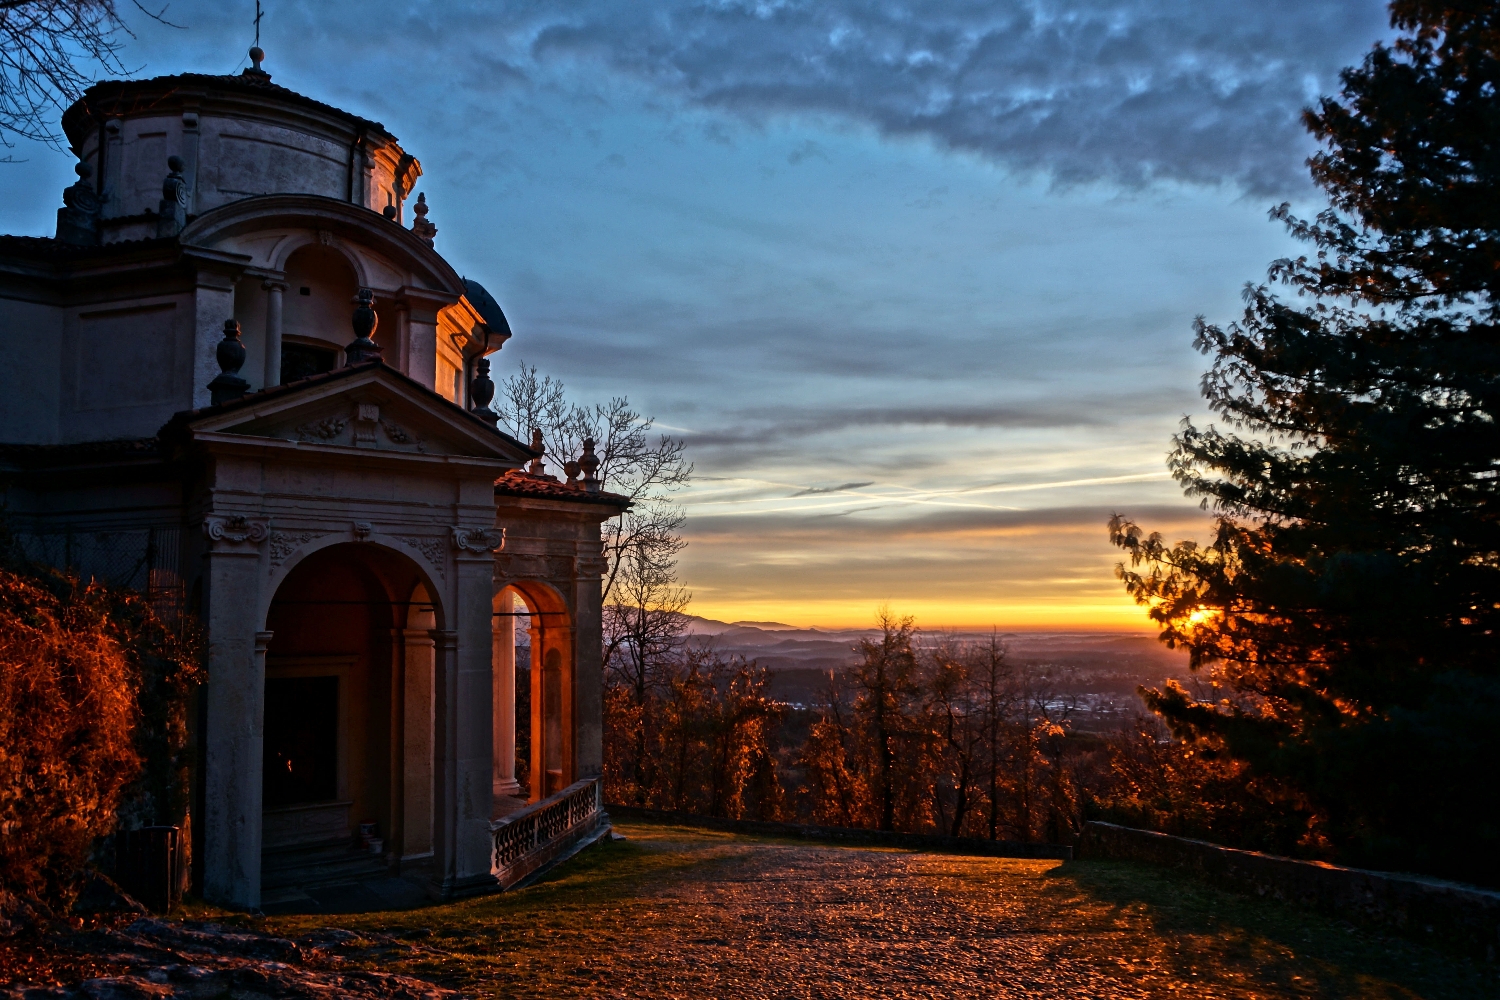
(258, 15)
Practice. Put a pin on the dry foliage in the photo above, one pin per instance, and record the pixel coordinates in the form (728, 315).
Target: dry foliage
(703, 739)
(67, 712)
(94, 696)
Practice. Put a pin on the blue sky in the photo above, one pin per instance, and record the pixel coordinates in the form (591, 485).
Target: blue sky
(915, 281)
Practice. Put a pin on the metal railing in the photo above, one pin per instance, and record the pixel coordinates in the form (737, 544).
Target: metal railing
(528, 839)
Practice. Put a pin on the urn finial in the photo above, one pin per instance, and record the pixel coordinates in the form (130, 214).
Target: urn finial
(481, 391)
(589, 463)
(363, 347)
(227, 384)
(420, 227)
(537, 468)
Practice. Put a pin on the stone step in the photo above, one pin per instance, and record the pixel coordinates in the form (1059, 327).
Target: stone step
(314, 865)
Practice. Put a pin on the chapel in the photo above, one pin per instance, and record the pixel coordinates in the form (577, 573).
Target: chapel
(242, 379)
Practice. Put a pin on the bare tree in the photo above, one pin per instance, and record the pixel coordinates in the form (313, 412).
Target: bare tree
(48, 49)
(995, 675)
(646, 469)
(644, 619)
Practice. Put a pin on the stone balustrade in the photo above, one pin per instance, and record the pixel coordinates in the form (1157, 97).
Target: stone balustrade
(527, 841)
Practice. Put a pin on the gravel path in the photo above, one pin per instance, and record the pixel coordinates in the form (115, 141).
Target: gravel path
(684, 914)
(812, 922)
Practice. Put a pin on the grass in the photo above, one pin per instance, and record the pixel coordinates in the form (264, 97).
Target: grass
(686, 912)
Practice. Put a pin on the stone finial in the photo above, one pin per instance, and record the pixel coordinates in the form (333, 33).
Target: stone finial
(589, 463)
(571, 468)
(171, 213)
(363, 347)
(227, 384)
(390, 208)
(424, 230)
(257, 56)
(481, 391)
(78, 222)
(537, 468)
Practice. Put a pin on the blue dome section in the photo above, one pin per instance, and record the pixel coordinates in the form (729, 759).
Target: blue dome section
(489, 309)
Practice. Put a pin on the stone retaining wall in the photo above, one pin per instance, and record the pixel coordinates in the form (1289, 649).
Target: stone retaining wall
(849, 835)
(1445, 913)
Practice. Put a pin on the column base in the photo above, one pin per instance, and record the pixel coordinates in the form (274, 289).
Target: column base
(473, 885)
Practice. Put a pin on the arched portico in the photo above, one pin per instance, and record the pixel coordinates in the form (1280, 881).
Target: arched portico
(551, 754)
(348, 716)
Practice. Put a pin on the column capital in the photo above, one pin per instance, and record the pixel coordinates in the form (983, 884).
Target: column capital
(262, 640)
(444, 638)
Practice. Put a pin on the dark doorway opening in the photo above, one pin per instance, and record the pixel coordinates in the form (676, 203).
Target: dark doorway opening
(301, 740)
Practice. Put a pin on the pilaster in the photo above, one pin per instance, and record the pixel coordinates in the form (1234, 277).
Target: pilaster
(235, 716)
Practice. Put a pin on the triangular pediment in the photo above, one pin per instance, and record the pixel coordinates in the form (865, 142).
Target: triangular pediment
(370, 409)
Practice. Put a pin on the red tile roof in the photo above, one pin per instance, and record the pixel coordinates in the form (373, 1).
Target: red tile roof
(517, 483)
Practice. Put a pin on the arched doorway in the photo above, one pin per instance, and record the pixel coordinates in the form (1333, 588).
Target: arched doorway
(347, 751)
(544, 690)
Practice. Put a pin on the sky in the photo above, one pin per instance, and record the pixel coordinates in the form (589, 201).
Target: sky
(915, 281)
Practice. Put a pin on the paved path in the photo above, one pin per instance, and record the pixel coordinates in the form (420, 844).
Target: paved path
(674, 913)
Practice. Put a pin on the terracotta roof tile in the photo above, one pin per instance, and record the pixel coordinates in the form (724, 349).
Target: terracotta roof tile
(517, 483)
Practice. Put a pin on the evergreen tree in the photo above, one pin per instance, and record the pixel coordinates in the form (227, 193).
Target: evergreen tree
(1350, 598)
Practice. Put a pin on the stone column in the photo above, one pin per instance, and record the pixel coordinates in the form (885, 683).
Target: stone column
(402, 359)
(417, 737)
(445, 784)
(588, 662)
(274, 290)
(235, 716)
(473, 715)
(504, 660)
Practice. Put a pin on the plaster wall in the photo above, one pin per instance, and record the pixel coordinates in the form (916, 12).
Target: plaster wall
(126, 364)
(230, 158)
(30, 391)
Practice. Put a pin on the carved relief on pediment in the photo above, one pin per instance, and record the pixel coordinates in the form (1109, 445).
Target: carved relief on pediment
(329, 430)
(363, 426)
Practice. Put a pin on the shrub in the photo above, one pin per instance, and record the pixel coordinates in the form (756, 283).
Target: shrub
(68, 705)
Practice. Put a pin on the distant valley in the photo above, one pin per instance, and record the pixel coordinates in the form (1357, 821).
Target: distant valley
(1097, 673)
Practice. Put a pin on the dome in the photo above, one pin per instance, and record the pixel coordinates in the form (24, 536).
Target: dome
(489, 309)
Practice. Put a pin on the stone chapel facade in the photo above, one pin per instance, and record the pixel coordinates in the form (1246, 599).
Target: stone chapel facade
(241, 379)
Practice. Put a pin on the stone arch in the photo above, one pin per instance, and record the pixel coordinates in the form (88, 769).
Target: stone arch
(313, 542)
(348, 704)
(299, 241)
(553, 685)
(343, 221)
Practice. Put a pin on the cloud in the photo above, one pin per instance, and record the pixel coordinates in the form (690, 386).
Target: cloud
(808, 149)
(816, 490)
(1126, 91)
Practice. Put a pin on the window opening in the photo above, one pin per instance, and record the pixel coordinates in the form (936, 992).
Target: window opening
(302, 360)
